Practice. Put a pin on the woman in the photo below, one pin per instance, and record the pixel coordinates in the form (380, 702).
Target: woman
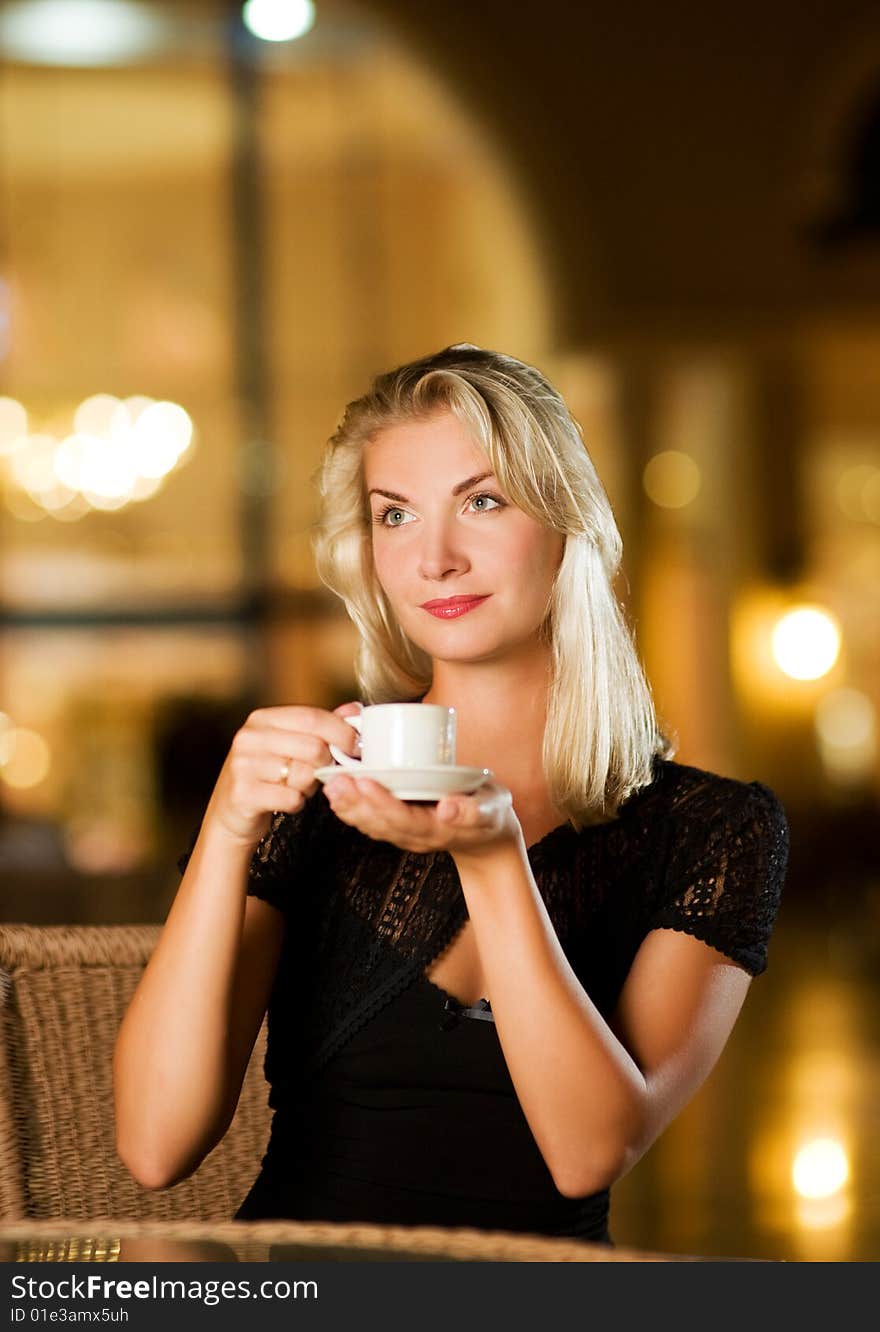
(481, 1012)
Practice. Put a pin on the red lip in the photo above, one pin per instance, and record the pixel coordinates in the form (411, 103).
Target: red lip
(453, 607)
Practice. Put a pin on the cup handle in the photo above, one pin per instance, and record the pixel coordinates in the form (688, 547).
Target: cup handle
(343, 759)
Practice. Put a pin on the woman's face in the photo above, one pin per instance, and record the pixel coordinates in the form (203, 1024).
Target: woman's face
(442, 528)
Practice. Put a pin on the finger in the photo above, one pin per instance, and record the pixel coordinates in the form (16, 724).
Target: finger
(474, 811)
(380, 798)
(349, 805)
(493, 791)
(311, 749)
(329, 726)
(277, 798)
(348, 709)
(375, 809)
(456, 803)
(349, 790)
(491, 799)
(301, 745)
(284, 771)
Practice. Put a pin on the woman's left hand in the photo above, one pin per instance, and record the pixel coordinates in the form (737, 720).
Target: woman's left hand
(474, 824)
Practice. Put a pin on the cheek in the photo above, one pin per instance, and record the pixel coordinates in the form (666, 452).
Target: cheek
(534, 551)
(542, 564)
(555, 554)
(384, 566)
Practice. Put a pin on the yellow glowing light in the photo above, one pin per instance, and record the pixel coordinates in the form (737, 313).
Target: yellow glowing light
(806, 643)
(99, 415)
(846, 732)
(71, 458)
(136, 404)
(32, 464)
(119, 452)
(72, 512)
(820, 1168)
(57, 497)
(108, 471)
(824, 1214)
(845, 719)
(671, 479)
(13, 423)
(106, 503)
(28, 761)
(161, 434)
(145, 487)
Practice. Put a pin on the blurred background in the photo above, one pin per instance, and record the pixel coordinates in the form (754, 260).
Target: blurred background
(218, 221)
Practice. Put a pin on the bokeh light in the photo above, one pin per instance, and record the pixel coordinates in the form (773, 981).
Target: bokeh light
(32, 465)
(161, 434)
(806, 643)
(671, 479)
(119, 452)
(820, 1168)
(98, 415)
(27, 758)
(78, 32)
(845, 718)
(846, 733)
(278, 20)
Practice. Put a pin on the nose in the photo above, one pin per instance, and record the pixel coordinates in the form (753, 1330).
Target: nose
(441, 552)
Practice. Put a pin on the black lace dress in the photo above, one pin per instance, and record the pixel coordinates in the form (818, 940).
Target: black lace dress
(391, 1103)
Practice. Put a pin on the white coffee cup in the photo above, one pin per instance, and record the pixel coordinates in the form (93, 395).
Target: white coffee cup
(401, 735)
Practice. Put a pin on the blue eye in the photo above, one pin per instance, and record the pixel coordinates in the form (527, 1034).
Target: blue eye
(494, 502)
(382, 518)
(384, 514)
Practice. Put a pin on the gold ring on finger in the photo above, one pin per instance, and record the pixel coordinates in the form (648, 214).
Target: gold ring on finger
(284, 773)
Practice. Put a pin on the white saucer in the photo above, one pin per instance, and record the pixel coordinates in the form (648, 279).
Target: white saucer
(415, 783)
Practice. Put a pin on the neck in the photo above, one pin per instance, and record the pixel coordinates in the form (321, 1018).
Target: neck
(501, 711)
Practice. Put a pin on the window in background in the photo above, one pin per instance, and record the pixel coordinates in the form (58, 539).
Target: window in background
(117, 254)
(242, 233)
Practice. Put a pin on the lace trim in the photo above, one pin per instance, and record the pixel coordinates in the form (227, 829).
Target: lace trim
(379, 999)
(751, 959)
(696, 852)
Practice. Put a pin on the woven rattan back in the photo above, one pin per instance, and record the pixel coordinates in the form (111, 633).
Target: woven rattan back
(63, 993)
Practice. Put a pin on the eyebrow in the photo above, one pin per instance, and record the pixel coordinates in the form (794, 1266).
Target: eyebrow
(456, 490)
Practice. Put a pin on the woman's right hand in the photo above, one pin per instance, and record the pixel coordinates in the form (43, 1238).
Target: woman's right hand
(249, 789)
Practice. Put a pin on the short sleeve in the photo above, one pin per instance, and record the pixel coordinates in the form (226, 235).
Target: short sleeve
(282, 859)
(725, 873)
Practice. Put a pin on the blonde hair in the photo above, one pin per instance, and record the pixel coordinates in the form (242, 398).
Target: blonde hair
(601, 732)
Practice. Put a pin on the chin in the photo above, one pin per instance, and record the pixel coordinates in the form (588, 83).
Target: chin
(456, 640)
(463, 650)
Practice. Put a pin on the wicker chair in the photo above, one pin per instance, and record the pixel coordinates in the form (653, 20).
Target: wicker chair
(63, 993)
